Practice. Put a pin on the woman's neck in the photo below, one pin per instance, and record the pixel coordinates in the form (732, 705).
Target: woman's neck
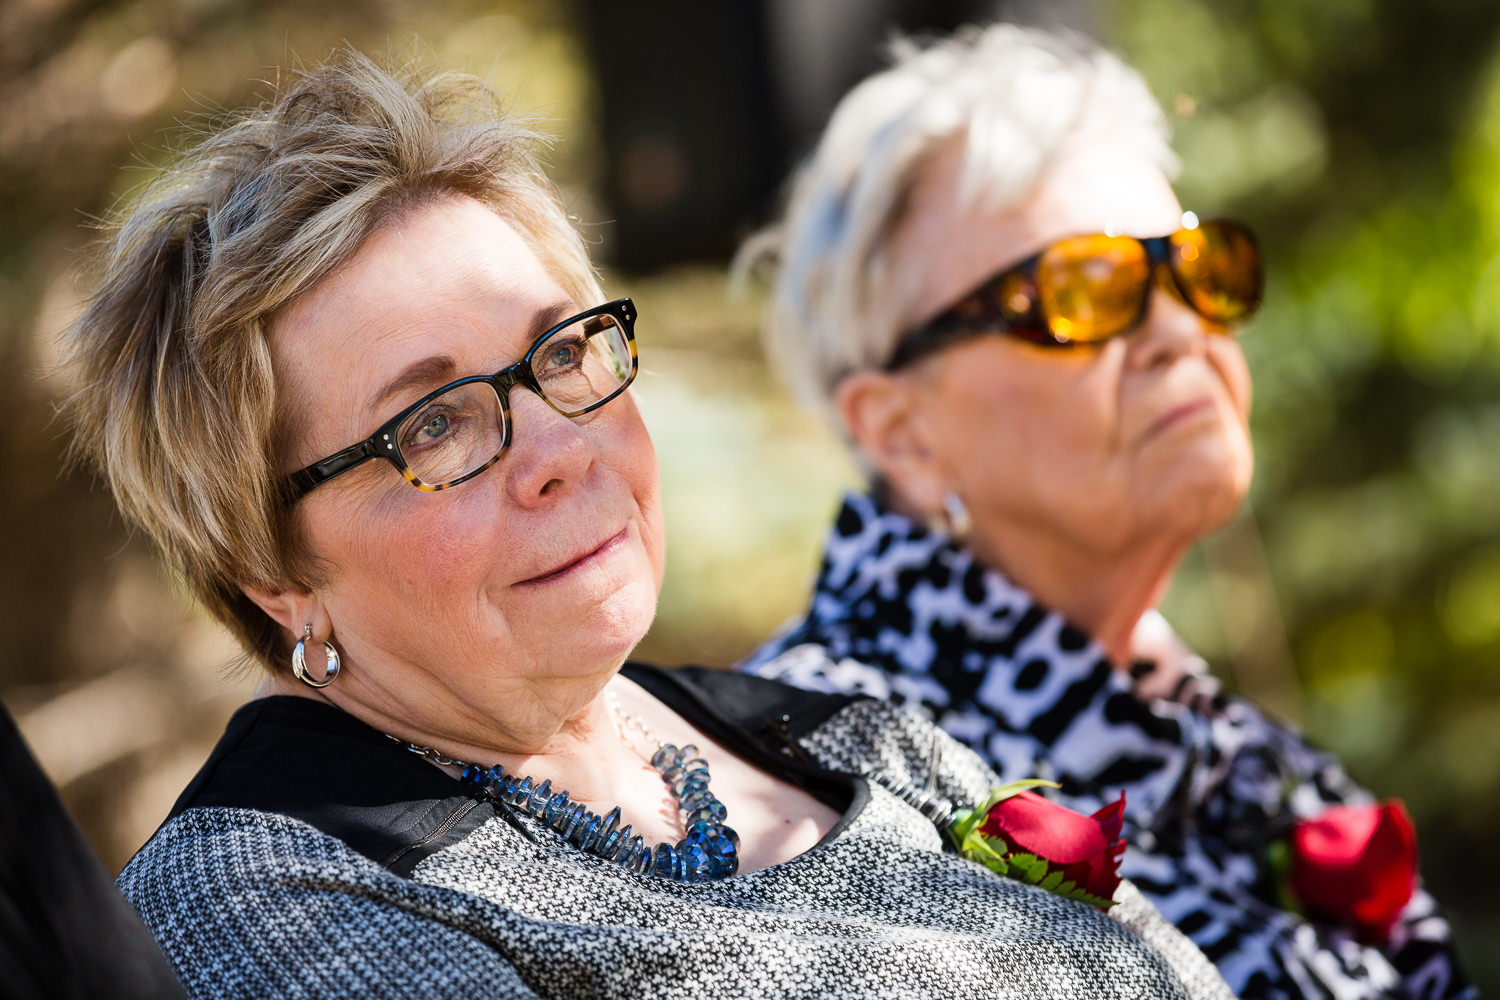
(1103, 593)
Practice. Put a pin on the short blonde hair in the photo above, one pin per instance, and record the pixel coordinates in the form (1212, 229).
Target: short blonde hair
(1014, 95)
(178, 405)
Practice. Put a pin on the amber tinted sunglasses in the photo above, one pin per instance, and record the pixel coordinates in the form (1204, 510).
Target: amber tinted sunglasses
(1085, 289)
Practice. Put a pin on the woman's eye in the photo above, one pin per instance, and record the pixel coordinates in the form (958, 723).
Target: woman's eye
(427, 430)
(567, 354)
(435, 427)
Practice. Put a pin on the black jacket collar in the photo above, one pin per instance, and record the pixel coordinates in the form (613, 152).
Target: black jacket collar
(316, 763)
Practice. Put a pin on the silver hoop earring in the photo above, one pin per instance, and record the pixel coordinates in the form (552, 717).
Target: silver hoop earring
(299, 661)
(956, 520)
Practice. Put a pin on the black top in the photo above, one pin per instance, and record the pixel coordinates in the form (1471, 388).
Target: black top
(65, 930)
(316, 763)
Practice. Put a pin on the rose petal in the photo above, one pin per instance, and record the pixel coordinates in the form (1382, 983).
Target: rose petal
(1099, 874)
(1355, 865)
(1032, 824)
(1111, 819)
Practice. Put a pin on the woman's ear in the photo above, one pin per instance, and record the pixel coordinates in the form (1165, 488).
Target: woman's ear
(293, 609)
(884, 414)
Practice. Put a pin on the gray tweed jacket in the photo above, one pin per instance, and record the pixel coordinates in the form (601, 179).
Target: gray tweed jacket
(312, 857)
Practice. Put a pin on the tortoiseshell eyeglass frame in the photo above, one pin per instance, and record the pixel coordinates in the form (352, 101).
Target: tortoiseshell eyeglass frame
(382, 444)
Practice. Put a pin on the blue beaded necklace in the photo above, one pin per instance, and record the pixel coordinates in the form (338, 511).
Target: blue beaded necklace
(709, 850)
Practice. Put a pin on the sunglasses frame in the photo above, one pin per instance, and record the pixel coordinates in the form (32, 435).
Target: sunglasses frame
(382, 443)
(983, 310)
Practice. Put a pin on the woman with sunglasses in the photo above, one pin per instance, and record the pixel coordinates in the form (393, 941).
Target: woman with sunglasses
(988, 283)
(348, 366)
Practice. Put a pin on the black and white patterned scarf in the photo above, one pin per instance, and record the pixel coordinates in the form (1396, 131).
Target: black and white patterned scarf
(901, 612)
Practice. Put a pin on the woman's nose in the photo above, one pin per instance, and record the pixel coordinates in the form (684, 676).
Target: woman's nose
(1170, 330)
(549, 453)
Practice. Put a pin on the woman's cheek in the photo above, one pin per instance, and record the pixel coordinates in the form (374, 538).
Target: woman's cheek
(1228, 361)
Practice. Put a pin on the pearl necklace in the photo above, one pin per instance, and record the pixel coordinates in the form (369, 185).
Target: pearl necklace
(709, 850)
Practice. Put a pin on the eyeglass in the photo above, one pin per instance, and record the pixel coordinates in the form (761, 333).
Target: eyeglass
(454, 433)
(1085, 289)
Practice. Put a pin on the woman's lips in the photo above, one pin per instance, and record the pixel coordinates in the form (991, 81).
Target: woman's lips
(595, 555)
(1178, 414)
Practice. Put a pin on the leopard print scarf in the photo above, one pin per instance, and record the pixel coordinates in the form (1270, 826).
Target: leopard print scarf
(900, 611)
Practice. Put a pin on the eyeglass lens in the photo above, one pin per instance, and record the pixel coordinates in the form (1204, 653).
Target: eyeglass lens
(1217, 267)
(462, 430)
(1092, 287)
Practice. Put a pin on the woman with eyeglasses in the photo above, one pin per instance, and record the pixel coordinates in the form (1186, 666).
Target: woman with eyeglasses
(986, 281)
(347, 363)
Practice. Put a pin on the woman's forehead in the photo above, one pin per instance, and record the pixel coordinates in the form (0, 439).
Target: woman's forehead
(449, 281)
(947, 245)
(1105, 186)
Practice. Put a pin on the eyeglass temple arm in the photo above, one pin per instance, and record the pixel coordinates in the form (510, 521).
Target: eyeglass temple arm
(977, 311)
(302, 481)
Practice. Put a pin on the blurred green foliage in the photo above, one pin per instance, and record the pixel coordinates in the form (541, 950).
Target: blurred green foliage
(1362, 138)
(1360, 593)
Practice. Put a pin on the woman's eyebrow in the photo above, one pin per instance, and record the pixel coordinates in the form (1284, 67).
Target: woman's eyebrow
(549, 317)
(440, 368)
(433, 370)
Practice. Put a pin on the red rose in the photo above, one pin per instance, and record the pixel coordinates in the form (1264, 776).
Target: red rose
(1355, 865)
(1086, 849)
(1020, 834)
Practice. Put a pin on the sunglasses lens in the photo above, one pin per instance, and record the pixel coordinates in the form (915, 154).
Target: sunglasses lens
(1092, 287)
(1218, 270)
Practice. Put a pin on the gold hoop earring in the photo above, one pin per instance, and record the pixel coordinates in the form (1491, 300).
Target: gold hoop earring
(299, 661)
(956, 520)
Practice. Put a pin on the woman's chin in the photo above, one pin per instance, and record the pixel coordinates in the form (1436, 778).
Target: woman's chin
(1200, 504)
(619, 623)
(1204, 485)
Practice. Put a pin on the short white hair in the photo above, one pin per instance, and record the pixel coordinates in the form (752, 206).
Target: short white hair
(1014, 95)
